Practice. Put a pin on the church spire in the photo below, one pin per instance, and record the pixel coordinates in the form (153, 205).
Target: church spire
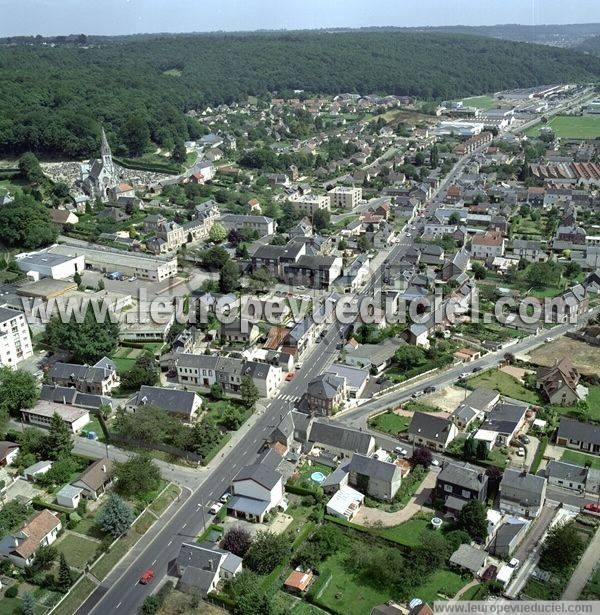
(104, 146)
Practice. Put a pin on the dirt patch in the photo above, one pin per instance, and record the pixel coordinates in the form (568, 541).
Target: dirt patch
(585, 358)
(447, 399)
(518, 373)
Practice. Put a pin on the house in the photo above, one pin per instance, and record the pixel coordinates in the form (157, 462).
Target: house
(379, 479)
(458, 483)
(69, 496)
(98, 379)
(340, 440)
(62, 217)
(345, 503)
(261, 224)
(182, 404)
(43, 411)
(470, 558)
(502, 424)
(95, 478)
(41, 467)
(20, 548)
(372, 356)
(326, 394)
(355, 377)
(522, 493)
(560, 383)
(8, 453)
(581, 436)
(567, 475)
(508, 535)
(431, 431)
(256, 489)
(489, 244)
(314, 271)
(239, 330)
(529, 250)
(298, 580)
(200, 567)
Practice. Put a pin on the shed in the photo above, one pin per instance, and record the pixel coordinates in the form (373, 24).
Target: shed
(69, 496)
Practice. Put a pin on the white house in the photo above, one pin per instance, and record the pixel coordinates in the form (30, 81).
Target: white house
(8, 453)
(345, 503)
(69, 496)
(257, 489)
(41, 467)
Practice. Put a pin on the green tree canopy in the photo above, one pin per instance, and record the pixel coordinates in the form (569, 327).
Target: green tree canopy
(25, 223)
(115, 517)
(137, 475)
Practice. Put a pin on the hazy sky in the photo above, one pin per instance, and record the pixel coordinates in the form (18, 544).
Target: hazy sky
(51, 17)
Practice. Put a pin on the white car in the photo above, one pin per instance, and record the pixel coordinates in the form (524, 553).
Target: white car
(215, 508)
(464, 375)
(435, 463)
(548, 340)
(514, 563)
(521, 452)
(401, 451)
(225, 497)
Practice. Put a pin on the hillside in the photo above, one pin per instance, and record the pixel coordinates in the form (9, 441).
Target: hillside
(53, 98)
(590, 45)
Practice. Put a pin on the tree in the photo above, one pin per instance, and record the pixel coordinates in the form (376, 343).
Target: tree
(479, 271)
(469, 449)
(473, 519)
(217, 233)
(215, 258)
(143, 372)
(234, 237)
(422, 456)
(25, 223)
(419, 159)
(28, 604)
(77, 280)
(30, 169)
(434, 157)
(205, 436)
(18, 390)
(249, 392)
(342, 245)
(407, 357)
(481, 452)
(237, 540)
(572, 269)
(59, 440)
(454, 218)
(229, 278)
(216, 391)
(262, 280)
(65, 579)
(364, 244)
(179, 153)
(86, 341)
(116, 517)
(249, 597)
(135, 134)
(321, 219)
(139, 474)
(562, 548)
(267, 551)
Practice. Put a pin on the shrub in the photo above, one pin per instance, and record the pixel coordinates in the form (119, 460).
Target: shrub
(11, 592)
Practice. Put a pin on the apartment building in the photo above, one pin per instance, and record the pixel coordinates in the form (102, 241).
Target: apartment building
(15, 341)
(309, 204)
(344, 197)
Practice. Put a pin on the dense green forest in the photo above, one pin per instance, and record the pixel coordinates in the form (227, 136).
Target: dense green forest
(590, 45)
(53, 99)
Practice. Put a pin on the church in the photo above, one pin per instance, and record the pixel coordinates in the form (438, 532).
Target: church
(98, 176)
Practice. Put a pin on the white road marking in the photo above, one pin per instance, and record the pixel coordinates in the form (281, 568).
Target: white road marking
(120, 603)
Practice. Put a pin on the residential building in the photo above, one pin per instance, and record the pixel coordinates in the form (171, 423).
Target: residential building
(529, 250)
(37, 469)
(45, 264)
(8, 453)
(344, 197)
(566, 475)
(470, 558)
(502, 424)
(431, 431)
(458, 483)
(326, 394)
(560, 383)
(20, 547)
(339, 440)
(15, 341)
(379, 479)
(95, 478)
(508, 535)
(41, 415)
(239, 330)
(182, 404)
(99, 379)
(345, 503)
(522, 493)
(356, 378)
(200, 567)
(580, 436)
(256, 490)
(309, 204)
(367, 356)
(488, 245)
(261, 224)
(317, 271)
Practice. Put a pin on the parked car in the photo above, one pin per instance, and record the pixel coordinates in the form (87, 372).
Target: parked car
(417, 394)
(476, 369)
(147, 576)
(525, 439)
(429, 389)
(514, 563)
(521, 452)
(464, 375)
(435, 463)
(298, 365)
(401, 451)
(215, 508)
(225, 497)
(594, 507)
(289, 376)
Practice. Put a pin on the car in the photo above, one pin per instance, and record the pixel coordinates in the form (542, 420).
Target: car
(525, 439)
(435, 463)
(215, 508)
(464, 375)
(147, 576)
(417, 394)
(593, 507)
(514, 563)
(132, 279)
(298, 365)
(429, 389)
(401, 451)
(225, 497)
(548, 340)
(408, 235)
(476, 369)
(289, 376)
(521, 452)
(300, 287)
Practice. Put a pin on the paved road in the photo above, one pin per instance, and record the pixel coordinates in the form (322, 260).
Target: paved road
(586, 568)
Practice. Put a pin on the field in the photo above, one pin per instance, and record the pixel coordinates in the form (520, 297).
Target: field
(390, 423)
(479, 102)
(585, 358)
(78, 550)
(581, 459)
(571, 127)
(505, 385)
(76, 597)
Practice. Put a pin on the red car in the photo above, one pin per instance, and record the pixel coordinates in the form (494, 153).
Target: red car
(147, 576)
(289, 376)
(595, 508)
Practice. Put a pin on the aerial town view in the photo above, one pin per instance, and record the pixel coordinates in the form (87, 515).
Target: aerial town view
(299, 307)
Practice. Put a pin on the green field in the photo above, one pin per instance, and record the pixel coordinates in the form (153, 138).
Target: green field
(571, 127)
(391, 423)
(505, 384)
(76, 597)
(480, 102)
(78, 550)
(581, 459)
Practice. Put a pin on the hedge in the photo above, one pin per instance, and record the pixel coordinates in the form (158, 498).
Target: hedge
(301, 490)
(39, 504)
(370, 531)
(221, 599)
(153, 167)
(539, 455)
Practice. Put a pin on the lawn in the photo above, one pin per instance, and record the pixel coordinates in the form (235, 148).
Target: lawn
(480, 102)
(571, 127)
(78, 550)
(506, 385)
(442, 583)
(407, 533)
(592, 589)
(164, 501)
(10, 606)
(581, 459)
(76, 597)
(88, 527)
(389, 422)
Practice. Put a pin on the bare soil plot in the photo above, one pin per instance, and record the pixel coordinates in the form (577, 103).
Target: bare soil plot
(446, 399)
(585, 358)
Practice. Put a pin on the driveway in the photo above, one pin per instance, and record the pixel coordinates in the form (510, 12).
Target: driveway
(585, 569)
(375, 516)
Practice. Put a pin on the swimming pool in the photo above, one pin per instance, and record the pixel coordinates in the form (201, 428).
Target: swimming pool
(317, 477)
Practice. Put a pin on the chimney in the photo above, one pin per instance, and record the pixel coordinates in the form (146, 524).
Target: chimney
(210, 564)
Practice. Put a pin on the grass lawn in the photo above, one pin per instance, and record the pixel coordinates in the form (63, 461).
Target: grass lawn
(538, 590)
(407, 533)
(572, 127)
(78, 550)
(474, 593)
(444, 582)
(344, 593)
(581, 459)
(163, 502)
(506, 385)
(479, 102)
(76, 597)
(88, 527)
(592, 589)
(391, 423)
(10, 606)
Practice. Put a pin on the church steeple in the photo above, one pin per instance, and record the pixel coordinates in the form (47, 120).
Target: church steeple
(106, 154)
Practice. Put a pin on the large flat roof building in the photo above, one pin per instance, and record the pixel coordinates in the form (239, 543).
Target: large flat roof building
(46, 264)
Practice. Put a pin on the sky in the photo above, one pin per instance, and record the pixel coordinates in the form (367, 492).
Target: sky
(54, 17)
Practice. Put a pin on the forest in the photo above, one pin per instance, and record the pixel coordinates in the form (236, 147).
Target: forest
(54, 98)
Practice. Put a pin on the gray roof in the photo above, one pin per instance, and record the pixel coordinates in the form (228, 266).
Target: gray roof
(463, 475)
(464, 413)
(454, 503)
(430, 427)
(337, 476)
(248, 506)
(376, 353)
(264, 476)
(481, 398)
(469, 557)
(522, 487)
(325, 386)
(566, 471)
(73, 397)
(341, 437)
(578, 431)
(73, 371)
(172, 400)
(506, 534)
(355, 376)
(373, 468)
(504, 418)
(199, 559)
